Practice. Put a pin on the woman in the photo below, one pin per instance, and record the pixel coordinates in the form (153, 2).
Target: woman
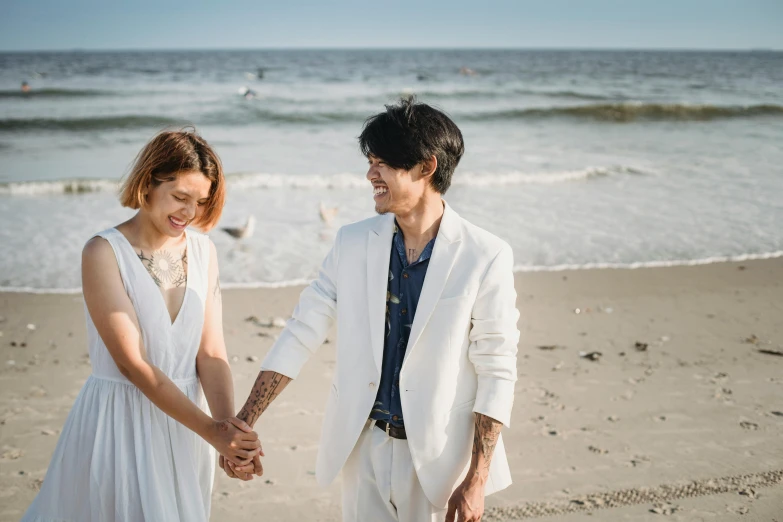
(135, 445)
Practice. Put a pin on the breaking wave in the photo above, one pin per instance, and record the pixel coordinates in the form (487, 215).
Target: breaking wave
(334, 182)
(54, 93)
(629, 112)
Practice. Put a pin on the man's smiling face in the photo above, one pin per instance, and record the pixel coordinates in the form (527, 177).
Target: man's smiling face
(395, 190)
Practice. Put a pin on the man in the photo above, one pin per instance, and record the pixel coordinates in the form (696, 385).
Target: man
(426, 351)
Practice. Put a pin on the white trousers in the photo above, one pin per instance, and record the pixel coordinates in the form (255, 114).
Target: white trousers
(380, 482)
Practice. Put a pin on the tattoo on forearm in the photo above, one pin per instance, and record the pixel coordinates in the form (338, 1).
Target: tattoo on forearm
(217, 288)
(165, 269)
(485, 438)
(268, 385)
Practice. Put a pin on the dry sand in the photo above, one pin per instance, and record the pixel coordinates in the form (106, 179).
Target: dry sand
(689, 424)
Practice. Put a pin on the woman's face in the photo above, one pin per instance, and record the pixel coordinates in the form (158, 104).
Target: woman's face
(173, 205)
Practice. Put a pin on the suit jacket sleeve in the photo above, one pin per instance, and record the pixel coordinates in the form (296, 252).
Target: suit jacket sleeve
(311, 321)
(494, 337)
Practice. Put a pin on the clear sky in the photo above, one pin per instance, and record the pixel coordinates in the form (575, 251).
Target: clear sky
(199, 24)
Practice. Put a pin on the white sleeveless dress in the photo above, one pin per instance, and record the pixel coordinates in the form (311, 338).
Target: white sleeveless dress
(119, 457)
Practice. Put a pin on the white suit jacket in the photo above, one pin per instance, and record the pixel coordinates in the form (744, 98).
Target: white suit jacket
(460, 359)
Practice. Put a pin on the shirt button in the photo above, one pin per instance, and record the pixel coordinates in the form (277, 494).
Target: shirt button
(394, 418)
(404, 311)
(372, 385)
(405, 275)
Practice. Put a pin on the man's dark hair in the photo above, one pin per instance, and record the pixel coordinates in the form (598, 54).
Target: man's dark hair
(409, 133)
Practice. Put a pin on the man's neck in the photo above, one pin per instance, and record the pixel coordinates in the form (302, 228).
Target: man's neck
(421, 224)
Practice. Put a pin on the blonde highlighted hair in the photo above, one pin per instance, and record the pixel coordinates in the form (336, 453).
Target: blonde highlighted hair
(163, 158)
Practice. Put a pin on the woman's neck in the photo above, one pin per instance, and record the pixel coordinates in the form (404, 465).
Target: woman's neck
(146, 235)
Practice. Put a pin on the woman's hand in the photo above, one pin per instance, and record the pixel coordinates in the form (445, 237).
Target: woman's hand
(235, 440)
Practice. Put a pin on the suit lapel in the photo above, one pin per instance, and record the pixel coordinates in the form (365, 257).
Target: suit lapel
(447, 243)
(379, 244)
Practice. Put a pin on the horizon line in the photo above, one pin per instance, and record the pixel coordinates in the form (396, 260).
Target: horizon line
(411, 48)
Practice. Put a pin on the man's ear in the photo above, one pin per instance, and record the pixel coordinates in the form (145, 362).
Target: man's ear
(429, 166)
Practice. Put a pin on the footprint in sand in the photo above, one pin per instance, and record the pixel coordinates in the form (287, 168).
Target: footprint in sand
(665, 509)
(738, 510)
(11, 453)
(749, 492)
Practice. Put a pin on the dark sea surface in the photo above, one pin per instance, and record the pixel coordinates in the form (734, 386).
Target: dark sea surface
(576, 158)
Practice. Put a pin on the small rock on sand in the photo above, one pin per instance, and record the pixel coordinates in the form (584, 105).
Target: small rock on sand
(591, 356)
(749, 425)
(549, 346)
(252, 358)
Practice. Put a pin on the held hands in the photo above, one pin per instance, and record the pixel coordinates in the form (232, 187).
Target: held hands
(245, 472)
(235, 441)
(467, 502)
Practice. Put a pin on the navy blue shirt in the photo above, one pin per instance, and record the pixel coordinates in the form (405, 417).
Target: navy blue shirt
(402, 298)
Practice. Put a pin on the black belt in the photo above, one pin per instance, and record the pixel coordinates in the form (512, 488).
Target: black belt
(392, 431)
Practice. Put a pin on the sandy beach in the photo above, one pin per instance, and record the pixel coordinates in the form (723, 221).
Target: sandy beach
(647, 394)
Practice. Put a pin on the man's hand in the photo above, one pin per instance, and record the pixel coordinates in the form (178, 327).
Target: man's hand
(467, 502)
(242, 472)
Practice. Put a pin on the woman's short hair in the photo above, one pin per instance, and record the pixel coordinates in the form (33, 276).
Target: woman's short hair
(165, 156)
(409, 133)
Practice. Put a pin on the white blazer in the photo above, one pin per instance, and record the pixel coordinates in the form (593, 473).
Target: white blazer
(461, 355)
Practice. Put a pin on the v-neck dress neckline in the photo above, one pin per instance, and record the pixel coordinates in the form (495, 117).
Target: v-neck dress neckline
(152, 282)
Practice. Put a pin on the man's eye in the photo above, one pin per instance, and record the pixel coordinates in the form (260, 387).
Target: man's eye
(202, 203)
(178, 199)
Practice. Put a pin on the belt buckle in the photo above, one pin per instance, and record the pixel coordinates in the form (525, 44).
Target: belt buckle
(388, 428)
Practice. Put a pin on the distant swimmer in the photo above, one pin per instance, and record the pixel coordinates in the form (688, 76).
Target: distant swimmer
(25, 87)
(258, 75)
(247, 93)
(466, 71)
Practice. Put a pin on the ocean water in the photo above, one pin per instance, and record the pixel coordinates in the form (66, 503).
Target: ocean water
(576, 158)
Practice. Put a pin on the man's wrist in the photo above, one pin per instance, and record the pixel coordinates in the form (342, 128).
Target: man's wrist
(476, 478)
(243, 415)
